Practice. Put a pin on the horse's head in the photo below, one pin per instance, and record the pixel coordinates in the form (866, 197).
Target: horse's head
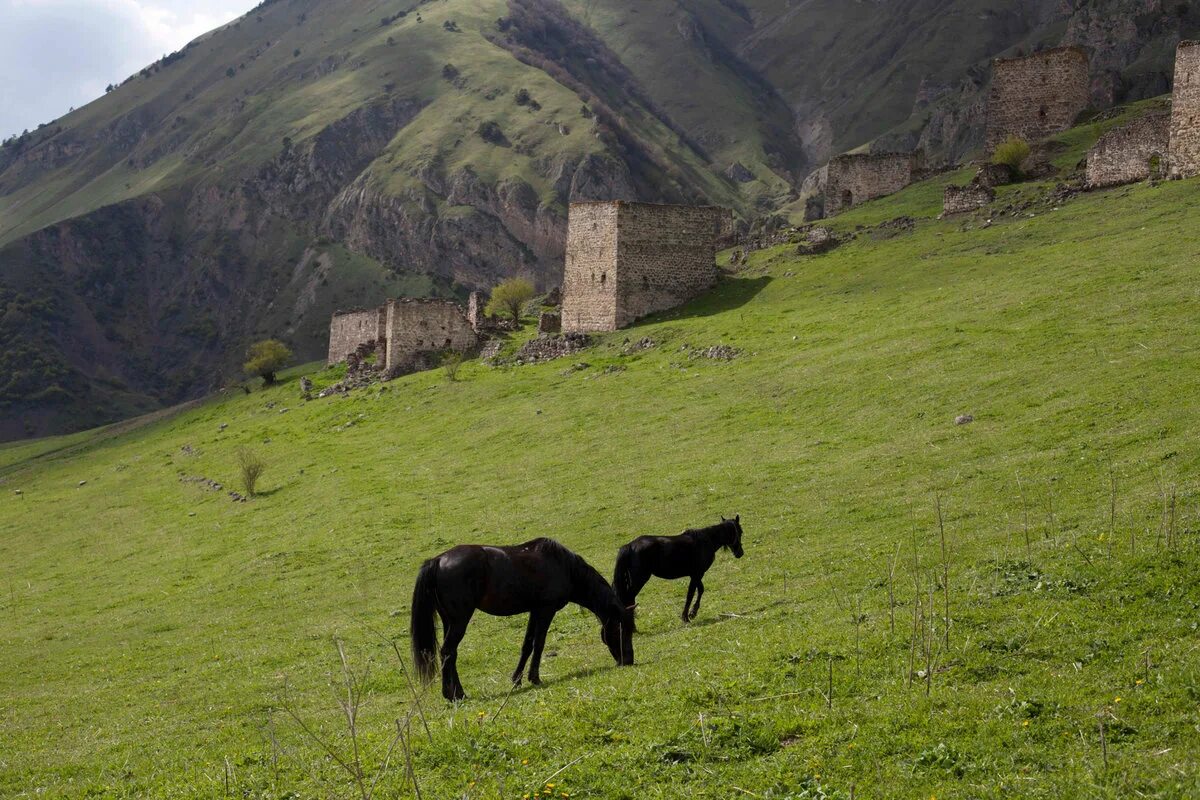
(733, 538)
(617, 633)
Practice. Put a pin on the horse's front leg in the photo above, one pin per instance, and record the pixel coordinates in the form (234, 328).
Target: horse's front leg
(687, 603)
(526, 649)
(699, 593)
(539, 643)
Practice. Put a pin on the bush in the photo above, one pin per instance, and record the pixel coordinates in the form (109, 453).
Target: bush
(490, 132)
(451, 361)
(266, 358)
(509, 298)
(251, 468)
(1012, 152)
(449, 72)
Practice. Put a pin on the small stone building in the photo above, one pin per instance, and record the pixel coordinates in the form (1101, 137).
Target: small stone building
(349, 329)
(963, 199)
(1037, 96)
(1184, 154)
(625, 260)
(1130, 153)
(858, 177)
(412, 331)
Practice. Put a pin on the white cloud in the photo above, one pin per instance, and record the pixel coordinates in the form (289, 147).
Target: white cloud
(55, 54)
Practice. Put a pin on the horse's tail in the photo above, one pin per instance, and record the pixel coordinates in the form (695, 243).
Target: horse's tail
(422, 631)
(623, 575)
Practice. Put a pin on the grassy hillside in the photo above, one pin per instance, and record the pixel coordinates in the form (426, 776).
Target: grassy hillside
(156, 633)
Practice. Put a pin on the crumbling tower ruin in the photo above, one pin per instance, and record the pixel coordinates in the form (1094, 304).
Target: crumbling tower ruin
(626, 260)
(406, 334)
(1036, 96)
(858, 177)
(1184, 156)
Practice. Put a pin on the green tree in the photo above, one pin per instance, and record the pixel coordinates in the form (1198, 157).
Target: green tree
(1012, 152)
(509, 298)
(265, 358)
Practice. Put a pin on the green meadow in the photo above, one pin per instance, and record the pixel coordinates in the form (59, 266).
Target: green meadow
(159, 639)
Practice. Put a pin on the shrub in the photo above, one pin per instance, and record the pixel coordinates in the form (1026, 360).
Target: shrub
(522, 97)
(266, 358)
(251, 468)
(490, 132)
(451, 361)
(509, 298)
(449, 72)
(1012, 152)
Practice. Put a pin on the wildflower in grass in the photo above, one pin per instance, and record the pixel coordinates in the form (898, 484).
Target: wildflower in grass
(1138, 682)
(1116, 699)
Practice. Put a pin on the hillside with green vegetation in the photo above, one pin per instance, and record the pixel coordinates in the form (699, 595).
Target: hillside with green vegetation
(1005, 607)
(324, 154)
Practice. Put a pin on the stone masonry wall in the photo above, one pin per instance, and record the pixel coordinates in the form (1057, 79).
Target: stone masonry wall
(1037, 96)
(962, 199)
(626, 260)
(1185, 112)
(666, 255)
(858, 177)
(1124, 155)
(417, 328)
(589, 272)
(349, 329)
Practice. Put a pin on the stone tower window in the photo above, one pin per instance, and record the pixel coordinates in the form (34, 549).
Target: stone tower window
(847, 198)
(603, 277)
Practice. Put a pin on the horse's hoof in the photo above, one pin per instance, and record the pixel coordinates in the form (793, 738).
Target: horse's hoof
(535, 681)
(516, 681)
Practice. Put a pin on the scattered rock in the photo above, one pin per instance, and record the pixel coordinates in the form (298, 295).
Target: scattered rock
(719, 352)
(187, 450)
(306, 387)
(204, 482)
(577, 367)
(964, 419)
(491, 349)
(236, 497)
(83, 483)
(18, 491)
(817, 240)
(645, 343)
(223, 426)
(547, 347)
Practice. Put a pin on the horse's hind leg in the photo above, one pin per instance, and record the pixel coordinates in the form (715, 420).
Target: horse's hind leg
(687, 603)
(539, 643)
(455, 630)
(526, 649)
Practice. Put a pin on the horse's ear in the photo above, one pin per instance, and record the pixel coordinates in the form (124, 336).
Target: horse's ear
(723, 518)
(737, 518)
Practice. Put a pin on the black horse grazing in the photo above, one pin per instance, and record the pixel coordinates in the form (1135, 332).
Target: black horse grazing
(688, 555)
(538, 578)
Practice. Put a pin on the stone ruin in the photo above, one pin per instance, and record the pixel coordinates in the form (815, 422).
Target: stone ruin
(855, 178)
(549, 322)
(404, 335)
(1036, 96)
(625, 260)
(1131, 153)
(964, 199)
(1184, 149)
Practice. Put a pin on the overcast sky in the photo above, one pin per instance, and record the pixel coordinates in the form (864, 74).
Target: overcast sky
(55, 54)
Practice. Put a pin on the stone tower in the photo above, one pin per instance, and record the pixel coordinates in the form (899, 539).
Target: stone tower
(626, 260)
(1184, 157)
(1037, 96)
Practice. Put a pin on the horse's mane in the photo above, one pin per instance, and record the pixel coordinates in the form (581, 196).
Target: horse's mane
(596, 592)
(710, 532)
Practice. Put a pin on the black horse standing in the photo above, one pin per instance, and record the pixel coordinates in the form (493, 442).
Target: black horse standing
(538, 578)
(688, 555)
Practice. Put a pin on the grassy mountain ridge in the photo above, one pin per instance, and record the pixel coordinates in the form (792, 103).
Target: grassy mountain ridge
(315, 154)
(156, 631)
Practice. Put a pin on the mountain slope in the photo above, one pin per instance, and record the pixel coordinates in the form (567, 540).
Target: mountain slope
(325, 153)
(157, 633)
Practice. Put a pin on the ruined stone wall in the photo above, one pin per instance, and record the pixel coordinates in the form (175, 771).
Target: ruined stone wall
(666, 255)
(1185, 112)
(1037, 96)
(962, 199)
(858, 177)
(1124, 155)
(589, 272)
(349, 329)
(417, 328)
